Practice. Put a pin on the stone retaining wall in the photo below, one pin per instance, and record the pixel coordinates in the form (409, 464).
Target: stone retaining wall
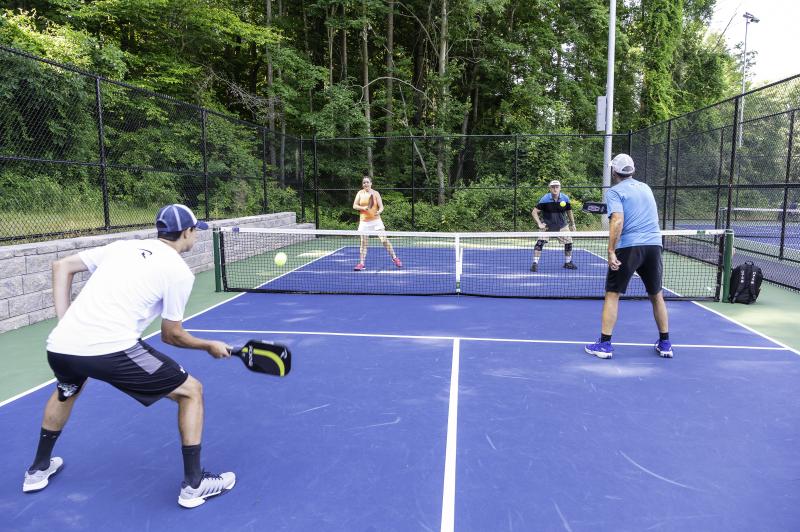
(26, 292)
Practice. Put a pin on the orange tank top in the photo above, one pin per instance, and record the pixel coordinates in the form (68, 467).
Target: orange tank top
(362, 198)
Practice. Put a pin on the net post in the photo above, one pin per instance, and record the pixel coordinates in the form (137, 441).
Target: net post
(217, 261)
(727, 259)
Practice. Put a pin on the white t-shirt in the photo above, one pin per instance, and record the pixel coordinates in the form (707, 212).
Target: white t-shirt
(132, 282)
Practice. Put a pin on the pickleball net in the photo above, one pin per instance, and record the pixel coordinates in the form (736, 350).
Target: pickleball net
(480, 264)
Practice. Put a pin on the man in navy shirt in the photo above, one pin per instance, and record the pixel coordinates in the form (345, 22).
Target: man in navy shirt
(634, 246)
(555, 208)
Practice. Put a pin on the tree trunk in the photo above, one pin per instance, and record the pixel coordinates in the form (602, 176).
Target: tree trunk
(365, 63)
(442, 114)
(344, 42)
(329, 16)
(389, 69)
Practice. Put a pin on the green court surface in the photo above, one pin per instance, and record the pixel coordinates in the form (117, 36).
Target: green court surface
(22, 354)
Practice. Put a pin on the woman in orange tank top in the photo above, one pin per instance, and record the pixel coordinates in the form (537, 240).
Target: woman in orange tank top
(369, 205)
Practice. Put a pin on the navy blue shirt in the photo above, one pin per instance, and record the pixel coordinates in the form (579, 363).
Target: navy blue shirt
(554, 215)
(635, 201)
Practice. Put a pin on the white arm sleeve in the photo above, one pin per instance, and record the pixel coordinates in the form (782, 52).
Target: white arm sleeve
(93, 257)
(175, 297)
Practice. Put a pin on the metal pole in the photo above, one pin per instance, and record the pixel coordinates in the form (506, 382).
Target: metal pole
(732, 174)
(302, 182)
(413, 184)
(785, 213)
(102, 146)
(675, 183)
(217, 261)
(516, 179)
(666, 176)
(749, 18)
(630, 144)
(612, 25)
(265, 206)
(719, 176)
(316, 185)
(204, 150)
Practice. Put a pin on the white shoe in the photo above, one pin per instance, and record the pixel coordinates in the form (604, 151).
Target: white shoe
(210, 486)
(38, 480)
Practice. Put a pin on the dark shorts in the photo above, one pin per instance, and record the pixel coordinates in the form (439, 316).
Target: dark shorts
(644, 260)
(142, 372)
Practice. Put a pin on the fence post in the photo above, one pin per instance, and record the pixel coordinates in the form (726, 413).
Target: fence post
(719, 175)
(413, 184)
(786, 188)
(630, 142)
(204, 150)
(302, 182)
(733, 163)
(265, 206)
(675, 191)
(316, 185)
(516, 170)
(666, 175)
(102, 146)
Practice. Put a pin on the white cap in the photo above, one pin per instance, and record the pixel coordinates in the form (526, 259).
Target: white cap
(554, 183)
(623, 164)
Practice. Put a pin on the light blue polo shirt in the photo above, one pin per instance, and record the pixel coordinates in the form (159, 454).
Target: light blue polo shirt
(635, 201)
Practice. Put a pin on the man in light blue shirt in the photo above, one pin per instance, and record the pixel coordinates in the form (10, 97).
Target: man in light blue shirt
(634, 246)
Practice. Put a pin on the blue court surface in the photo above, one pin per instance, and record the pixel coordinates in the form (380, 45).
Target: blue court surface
(439, 413)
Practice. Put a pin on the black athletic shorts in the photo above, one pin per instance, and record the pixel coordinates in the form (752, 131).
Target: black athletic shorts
(142, 372)
(644, 260)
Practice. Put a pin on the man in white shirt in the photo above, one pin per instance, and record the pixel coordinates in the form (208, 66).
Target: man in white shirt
(99, 336)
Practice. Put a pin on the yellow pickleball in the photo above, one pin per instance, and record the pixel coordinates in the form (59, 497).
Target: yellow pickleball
(563, 203)
(280, 259)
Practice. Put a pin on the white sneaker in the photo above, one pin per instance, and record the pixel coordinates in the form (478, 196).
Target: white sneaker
(210, 486)
(38, 480)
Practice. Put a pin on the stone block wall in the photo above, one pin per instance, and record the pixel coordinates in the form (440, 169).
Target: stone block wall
(26, 293)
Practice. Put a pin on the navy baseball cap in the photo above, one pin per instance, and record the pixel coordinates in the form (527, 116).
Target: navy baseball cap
(177, 217)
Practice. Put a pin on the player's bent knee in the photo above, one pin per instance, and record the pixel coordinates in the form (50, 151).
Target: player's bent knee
(190, 389)
(568, 247)
(539, 245)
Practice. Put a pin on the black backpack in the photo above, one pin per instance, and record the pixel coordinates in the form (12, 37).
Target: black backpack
(745, 283)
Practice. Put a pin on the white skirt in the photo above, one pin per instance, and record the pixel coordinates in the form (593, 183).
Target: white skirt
(372, 225)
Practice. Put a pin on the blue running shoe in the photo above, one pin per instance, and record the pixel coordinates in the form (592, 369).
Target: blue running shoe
(664, 348)
(600, 349)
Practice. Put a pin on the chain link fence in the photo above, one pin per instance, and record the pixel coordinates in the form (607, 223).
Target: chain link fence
(83, 154)
(454, 183)
(80, 154)
(733, 165)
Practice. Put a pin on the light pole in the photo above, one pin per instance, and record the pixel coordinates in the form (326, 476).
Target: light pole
(609, 109)
(749, 17)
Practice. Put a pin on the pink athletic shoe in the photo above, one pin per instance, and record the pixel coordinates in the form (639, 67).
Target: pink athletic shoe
(397, 262)
(360, 266)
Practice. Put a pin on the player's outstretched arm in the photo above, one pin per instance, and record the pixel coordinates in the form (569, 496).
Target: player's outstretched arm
(63, 272)
(173, 333)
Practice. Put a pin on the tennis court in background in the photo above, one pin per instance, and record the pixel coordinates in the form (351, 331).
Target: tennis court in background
(440, 413)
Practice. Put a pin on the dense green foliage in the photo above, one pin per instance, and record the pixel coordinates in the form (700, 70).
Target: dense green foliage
(335, 68)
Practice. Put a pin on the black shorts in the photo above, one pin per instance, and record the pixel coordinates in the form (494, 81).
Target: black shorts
(644, 260)
(142, 372)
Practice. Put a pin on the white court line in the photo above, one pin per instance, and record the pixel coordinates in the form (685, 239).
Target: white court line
(449, 492)
(742, 325)
(26, 392)
(479, 339)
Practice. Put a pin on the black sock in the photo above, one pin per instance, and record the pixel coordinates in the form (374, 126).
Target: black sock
(192, 474)
(47, 439)
(605, 337)
(663, 336)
